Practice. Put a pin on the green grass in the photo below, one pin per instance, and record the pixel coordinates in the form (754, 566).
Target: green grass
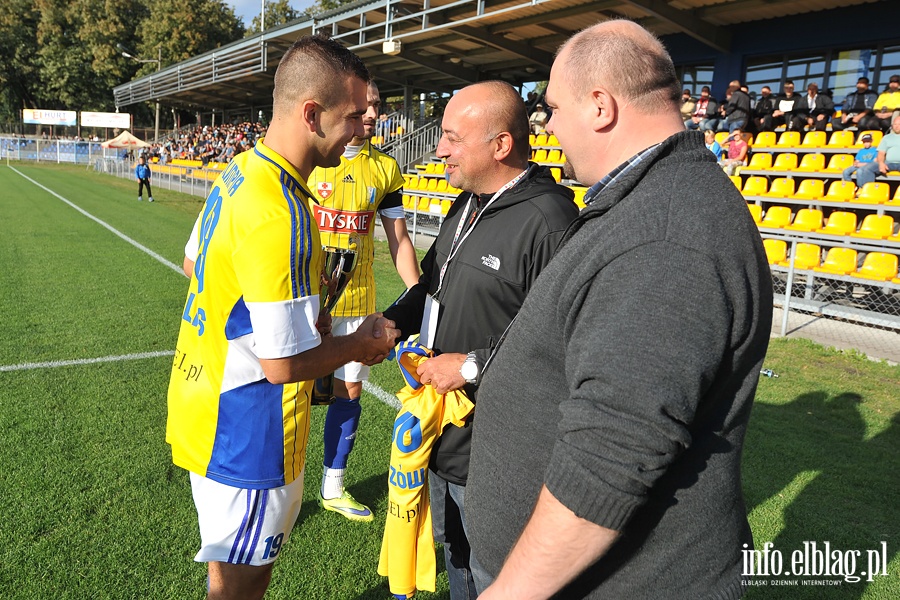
(93, 507)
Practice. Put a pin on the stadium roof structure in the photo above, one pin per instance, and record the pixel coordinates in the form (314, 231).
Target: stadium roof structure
(445, 44)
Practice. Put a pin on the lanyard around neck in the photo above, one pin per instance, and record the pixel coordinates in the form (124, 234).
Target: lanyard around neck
(454, 247)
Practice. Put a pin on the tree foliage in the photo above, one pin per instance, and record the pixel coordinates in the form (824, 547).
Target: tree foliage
(63, 54)
(278, 12)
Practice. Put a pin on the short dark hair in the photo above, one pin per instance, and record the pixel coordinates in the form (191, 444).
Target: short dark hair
(864, 80)
(765, 87)
(311, 66)
(789, 82)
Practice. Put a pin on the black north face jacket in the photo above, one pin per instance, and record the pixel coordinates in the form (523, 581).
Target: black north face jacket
(485, 283)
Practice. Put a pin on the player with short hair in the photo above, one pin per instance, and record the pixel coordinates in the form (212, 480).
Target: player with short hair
(346, 200)
(251, 341)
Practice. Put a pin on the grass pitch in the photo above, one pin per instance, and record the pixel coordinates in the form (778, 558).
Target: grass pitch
(93, 507)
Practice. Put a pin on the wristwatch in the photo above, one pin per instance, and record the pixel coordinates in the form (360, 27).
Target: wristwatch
(469, 369)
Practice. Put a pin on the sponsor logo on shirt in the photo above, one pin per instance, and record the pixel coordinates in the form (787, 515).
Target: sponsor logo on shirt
(491, 261)
(324, 189)
(348, 178)
(331, 220)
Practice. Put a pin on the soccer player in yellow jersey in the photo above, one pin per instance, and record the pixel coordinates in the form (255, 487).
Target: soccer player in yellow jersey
(251, 341)
(346, 200)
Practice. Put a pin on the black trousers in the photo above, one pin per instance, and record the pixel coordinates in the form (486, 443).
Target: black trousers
(141, 184)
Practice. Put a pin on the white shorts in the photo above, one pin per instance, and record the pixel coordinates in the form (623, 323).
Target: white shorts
(244, 527)
(353, 371)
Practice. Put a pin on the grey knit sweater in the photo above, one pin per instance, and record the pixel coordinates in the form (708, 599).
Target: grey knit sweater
(626, 382)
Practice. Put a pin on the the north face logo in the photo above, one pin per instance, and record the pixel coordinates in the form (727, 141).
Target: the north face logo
(491, 261)
(348, 178)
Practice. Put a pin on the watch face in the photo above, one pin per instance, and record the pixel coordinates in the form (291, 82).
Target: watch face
(469, 370)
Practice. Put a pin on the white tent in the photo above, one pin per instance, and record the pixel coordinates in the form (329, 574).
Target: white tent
(125, 140)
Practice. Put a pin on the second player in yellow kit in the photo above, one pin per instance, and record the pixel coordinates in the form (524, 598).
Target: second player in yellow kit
(346, 201)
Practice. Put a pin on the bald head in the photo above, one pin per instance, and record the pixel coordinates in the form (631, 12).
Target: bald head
(499, 107)
(626, 59)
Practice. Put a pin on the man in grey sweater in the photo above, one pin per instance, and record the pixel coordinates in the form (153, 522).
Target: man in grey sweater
(606, 461)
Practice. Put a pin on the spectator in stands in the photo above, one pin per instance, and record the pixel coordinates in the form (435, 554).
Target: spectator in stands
(704, 111)
(710, 137)
(688, 103)
(737, 109)
(142, 172)
(858, 109)
(888, 157)
(762, 112)
(785, 104)
(866, 155)
(737, 152)
(538, 119)
(813, 110)
(888, 104)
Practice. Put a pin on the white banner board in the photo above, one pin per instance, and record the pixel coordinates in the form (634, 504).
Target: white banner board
(105, 119)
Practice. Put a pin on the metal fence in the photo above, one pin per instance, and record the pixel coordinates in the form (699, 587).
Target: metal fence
(53, 151)
(187, 180)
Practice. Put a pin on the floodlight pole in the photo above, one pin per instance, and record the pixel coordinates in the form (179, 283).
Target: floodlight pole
(158, 62)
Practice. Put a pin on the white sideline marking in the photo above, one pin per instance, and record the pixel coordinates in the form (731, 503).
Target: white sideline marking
(134, 243)
(85, 361)
(373, 389)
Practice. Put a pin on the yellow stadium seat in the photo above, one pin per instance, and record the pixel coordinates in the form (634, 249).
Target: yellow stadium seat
(541, 140)
(532, 139)
(761, 161)
(777, 217)
(755, 212)
(807, 219)
(782, 187)
(755, 186)
(876, 137)
(736, 180)
(424, 204)
(810, 189)
(808, 257)
(557, 173)
(812, 163)
(540, 156)
(785, 162)
(554, 156)
(765, 139)
(552, 140)
(838, 162)
(879, 266)
(838, 261)
(840, 223)
(874, 192)
(442, 185)
(429, 168)
(840, 191)
(580, 191)
(562, 157)
(445, 206)
(896, 200)
(432, 184)
(776, 250)
(789, 139)
(840, 139)
(876, 227)
(721, 137)
(813, 139)
(440, 169)
(408, 201)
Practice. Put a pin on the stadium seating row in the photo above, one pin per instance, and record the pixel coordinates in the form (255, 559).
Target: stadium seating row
(812, 220)
(813, 140)
(877, 266)
(813, 190)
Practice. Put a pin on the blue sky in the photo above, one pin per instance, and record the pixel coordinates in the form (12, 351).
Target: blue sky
(247, 9)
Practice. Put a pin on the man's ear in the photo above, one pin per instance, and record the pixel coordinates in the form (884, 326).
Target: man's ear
(605, 106)
(309, 115)
(502, 145)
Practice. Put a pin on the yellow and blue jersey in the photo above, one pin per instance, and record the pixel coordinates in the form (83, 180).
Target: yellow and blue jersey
(253, 295)
(347, 198)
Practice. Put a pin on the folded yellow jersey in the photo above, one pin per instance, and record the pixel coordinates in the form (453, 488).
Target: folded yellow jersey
(407, 550)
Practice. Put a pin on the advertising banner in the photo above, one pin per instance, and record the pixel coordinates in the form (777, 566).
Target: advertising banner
(38, 116)
(105, 119)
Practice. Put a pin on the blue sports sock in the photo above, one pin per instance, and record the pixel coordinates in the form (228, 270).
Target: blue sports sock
(341, 423)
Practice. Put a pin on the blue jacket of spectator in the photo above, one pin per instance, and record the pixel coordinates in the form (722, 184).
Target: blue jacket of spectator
(850, 102)
(867, 154)
(142, 171)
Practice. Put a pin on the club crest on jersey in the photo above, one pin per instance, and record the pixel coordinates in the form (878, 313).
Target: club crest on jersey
(324, 189)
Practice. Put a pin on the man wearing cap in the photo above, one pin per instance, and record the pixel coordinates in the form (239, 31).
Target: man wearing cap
(888, 104)
(864, 156)
(705, 111)
(538, 119)
(813, 110)
(857, 109)
(888, 157)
